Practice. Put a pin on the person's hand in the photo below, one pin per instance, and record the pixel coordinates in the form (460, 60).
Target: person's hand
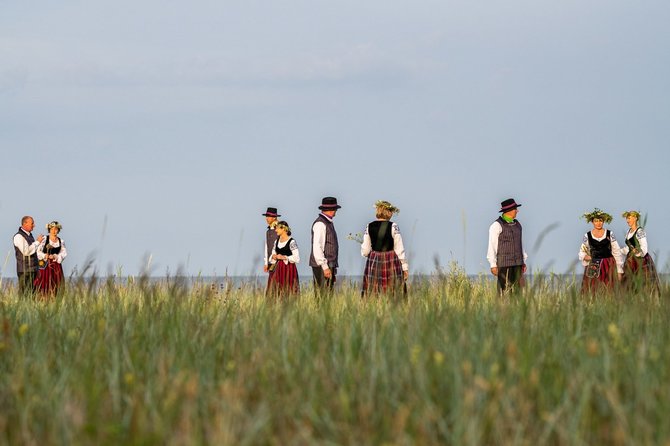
(327, 273)
(494, 271)
(620, 277)
(275, 256)
(523, 269)
(265, 268)
(40, 238)
(405, 275)
(587, 258)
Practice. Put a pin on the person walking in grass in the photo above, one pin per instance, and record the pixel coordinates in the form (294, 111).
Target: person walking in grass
(600, 254)
(505, 252)
(323, 258)
(284, 280)
(25, 249)
(386, 268)
(50, 253)
(639, 270)
(271, 216)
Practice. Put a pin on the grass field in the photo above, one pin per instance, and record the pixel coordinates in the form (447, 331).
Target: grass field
(454, 364)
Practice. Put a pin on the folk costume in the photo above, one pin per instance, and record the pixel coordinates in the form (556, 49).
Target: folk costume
(600, 272)
(50, 272)
(270, 239)
(284, 279)
(639, 269)
(385, 252)
(505, 250)
(325, 247)
(25, 250)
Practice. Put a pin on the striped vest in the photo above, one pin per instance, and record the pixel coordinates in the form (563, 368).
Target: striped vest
(510, 250)
(25, 264)
(331, 247)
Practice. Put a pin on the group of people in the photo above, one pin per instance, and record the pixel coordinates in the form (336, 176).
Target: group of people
(605, 262)
(386, 269)
(38, 260)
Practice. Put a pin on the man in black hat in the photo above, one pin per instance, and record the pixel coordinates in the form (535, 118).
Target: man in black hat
(505, 254)
(270, 236)
(323, 258)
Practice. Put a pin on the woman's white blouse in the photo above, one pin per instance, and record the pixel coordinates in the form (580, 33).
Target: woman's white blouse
(398, 247)
(59, 257)
(616, 250)
(295, 255)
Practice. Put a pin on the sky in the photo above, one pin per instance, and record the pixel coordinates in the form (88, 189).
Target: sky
(158, 132)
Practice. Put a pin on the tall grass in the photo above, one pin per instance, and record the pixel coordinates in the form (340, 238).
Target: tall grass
(453, 364)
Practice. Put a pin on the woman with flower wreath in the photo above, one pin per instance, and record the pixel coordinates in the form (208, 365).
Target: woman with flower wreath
(639, 269)
(600, 254)
(284, 279)
(386, 269)
(50, 254)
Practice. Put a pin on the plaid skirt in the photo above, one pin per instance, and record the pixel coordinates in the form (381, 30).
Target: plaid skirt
(599, 276)
(284, 280)
(49, 278)
(383, 273)
(640, 273)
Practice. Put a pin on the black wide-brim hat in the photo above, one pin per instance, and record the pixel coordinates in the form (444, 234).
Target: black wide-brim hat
(508, 205)
(271, 212)
(329, 204)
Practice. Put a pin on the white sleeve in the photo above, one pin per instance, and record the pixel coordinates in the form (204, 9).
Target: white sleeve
(616, 253)
(274, 251)
(366, 246)
(642, 238)
(265, 251)
(398, 246)
(40, 250)
(23, 246)
(492, 255)
(319, 244)
(584, 250)
(62, 254)
(295, 254)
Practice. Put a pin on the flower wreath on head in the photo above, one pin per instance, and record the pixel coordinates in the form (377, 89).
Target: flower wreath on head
(387, 206)
(597, 213)
(627, 214)
(54, 224)
(284, 226)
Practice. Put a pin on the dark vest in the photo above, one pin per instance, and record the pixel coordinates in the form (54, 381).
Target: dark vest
(633, 243)
(270, 239)
(380, 235)
(25, 264)
(48, 249)
(286, 250)
(331, 247)
(600, 249)
(510, 249)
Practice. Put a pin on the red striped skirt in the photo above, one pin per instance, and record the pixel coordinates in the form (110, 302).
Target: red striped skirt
(602, 277)
(284, 280)
(383, 273)
(640, 272)
(49, 278)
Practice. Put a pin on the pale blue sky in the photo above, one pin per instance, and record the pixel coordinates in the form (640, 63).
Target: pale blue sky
(179, 123)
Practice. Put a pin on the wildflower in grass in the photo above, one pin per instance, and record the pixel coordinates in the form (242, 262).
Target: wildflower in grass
(415, 354)
(23, 329)
(230, 366)
(613, 330)
(129, 378)
(438, 358)
(592, 347)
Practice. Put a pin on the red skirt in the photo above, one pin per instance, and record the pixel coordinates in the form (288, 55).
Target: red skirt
(599, 277)
(284, 280)
(640, 273)
(383, 273)
(49, 278)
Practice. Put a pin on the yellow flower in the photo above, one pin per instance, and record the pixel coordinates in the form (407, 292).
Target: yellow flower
(23, 329)
(438, 358)
(129, 378)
